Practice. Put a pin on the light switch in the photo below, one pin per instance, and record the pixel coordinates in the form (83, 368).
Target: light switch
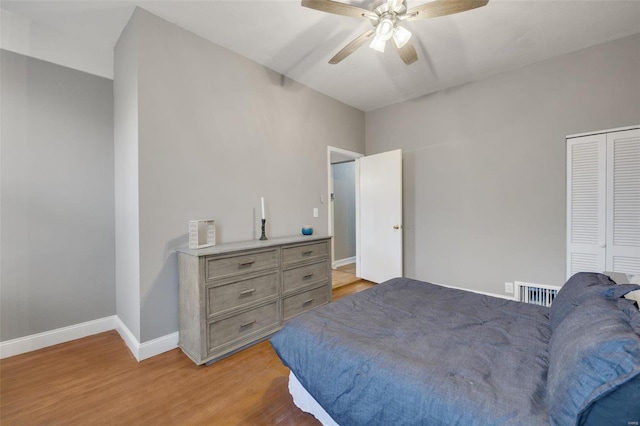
(315, 212)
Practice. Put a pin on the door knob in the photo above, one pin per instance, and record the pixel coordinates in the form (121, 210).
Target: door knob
(396, 227)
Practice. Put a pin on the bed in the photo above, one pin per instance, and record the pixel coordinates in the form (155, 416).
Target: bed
(411, 352)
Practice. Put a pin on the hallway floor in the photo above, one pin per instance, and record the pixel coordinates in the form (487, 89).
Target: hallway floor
(343, 275)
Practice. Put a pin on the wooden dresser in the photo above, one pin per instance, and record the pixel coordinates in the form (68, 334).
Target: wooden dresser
(236, 294)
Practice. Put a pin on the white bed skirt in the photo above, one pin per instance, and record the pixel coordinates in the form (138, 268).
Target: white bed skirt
(307, 403)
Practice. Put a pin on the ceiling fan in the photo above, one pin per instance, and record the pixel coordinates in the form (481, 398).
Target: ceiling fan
(386, 16)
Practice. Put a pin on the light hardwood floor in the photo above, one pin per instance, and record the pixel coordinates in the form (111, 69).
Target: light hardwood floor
(343, 275)
(96, 380)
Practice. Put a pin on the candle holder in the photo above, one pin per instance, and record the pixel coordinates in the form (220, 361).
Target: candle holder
(264, 236)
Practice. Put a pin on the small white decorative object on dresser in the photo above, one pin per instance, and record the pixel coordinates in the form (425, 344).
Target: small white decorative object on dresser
(202, 233)
(236, 294)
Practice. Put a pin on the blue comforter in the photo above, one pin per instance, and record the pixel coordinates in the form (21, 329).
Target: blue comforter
(410, 352)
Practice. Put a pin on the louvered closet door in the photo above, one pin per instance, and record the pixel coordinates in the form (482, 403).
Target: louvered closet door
(623, 202)
(586, 175)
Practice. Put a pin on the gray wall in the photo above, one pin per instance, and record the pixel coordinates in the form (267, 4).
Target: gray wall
(57, 243)
(216, 132)
(484, 164)
(344, 210)
(127, 220)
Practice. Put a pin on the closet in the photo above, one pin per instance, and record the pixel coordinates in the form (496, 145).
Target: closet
(603, 201)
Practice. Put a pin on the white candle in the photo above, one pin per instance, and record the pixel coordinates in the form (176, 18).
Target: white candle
(262, 202)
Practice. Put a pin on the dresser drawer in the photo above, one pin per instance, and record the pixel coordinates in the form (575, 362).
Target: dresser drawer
(242, 325)
(304, 252)
(217, 267)
(303, 276)
(293, 305)
(224, 297)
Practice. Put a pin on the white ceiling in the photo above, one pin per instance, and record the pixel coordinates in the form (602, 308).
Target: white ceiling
(297, 42)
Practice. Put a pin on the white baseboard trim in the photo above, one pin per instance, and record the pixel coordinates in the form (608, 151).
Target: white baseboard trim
(157, 346)
(342, 262)
(140, 351)
(128, 337)
(54, 337)
(501, 296)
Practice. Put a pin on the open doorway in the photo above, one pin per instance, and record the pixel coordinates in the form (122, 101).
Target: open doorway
(377, 214)
(342, 213)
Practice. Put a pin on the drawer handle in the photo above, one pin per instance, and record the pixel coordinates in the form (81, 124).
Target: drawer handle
(308, 276)
(307, 253)
(251, 290)
(247, 264)
(247, 324)
(306, 302)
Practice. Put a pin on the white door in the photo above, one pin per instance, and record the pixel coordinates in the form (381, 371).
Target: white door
(623, 202)
(586, 183)
(379, 211)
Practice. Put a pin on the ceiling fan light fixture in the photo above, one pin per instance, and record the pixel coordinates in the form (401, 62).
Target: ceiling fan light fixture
(385, 15)
(378, 44)
(385, 29)
(401, 36)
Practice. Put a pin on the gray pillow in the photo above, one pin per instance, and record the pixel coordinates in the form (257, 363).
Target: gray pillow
(580, 287)
(593, 354)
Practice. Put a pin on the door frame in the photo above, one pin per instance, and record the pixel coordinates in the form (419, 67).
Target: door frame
(352, 155)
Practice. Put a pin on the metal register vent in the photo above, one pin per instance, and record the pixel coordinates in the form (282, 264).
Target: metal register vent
(537, 294)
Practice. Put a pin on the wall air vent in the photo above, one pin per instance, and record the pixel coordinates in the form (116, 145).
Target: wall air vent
(537, 294)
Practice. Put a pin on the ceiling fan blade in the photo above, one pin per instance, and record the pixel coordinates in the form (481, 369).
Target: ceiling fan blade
(408, 53)
(442, 7)
(351, 47)
(338, 8)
